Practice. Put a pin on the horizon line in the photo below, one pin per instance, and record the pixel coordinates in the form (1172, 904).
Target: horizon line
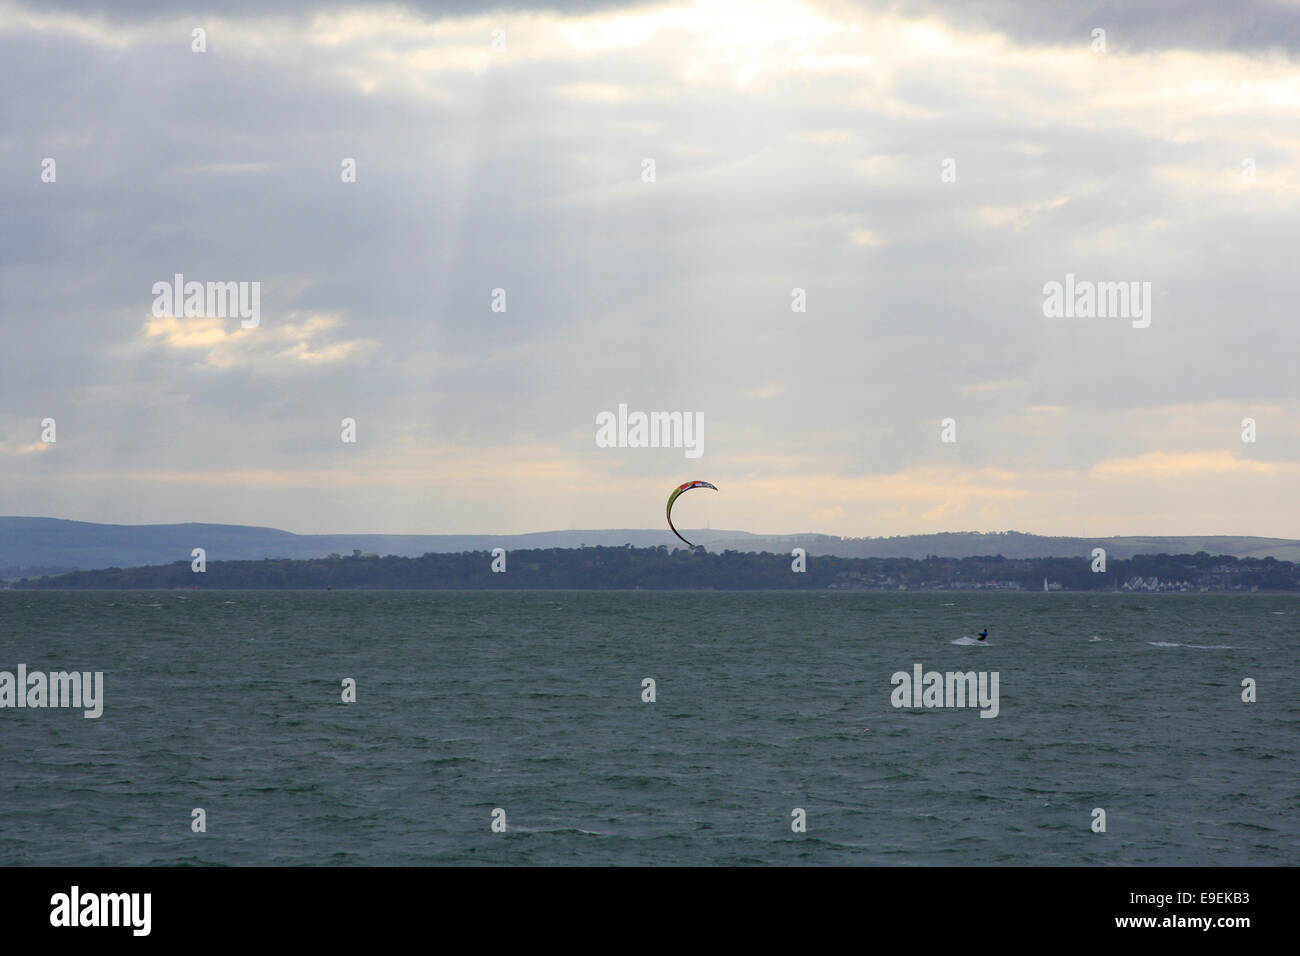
(706, 531)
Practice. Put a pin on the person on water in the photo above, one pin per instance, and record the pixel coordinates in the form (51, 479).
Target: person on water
(984, 633)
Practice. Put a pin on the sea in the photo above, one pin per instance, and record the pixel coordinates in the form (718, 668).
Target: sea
(559, 728)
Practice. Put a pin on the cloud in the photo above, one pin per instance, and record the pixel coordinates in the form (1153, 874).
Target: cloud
(1176, 465)
(865, 237)
(796, 145)
(1157, 24)
(224, 343)
(8, 448)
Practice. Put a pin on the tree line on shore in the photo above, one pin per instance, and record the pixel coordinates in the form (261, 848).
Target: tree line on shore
(659, 568)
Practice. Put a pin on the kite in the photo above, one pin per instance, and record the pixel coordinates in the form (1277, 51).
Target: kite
(673, 497)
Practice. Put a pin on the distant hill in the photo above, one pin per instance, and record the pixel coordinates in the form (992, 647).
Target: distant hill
(35, 546)
(49, 545)
(1013, 544)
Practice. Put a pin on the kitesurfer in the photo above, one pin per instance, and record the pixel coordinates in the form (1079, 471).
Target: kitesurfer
(984, 634)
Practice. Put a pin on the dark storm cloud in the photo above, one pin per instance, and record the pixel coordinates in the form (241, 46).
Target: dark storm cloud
(1153, 24)
(1147, 25)
(140, 11)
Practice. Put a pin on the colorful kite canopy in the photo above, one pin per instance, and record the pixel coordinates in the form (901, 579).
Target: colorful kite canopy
(673, 497)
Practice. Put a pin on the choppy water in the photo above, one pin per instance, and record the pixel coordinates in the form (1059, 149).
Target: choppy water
(531, 702)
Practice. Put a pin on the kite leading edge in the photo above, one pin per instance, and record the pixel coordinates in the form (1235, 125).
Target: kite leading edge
(673, 497)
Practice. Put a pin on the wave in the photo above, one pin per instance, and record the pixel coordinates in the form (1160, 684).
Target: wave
(515, 828)
(1200, 647)
(967, 641)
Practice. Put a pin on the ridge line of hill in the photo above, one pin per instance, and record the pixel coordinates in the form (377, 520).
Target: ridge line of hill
(36, 545)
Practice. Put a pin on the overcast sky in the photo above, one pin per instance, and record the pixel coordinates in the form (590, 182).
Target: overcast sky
(921, 170)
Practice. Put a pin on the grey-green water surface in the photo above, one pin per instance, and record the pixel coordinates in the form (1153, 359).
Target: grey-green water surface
(532, 702)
